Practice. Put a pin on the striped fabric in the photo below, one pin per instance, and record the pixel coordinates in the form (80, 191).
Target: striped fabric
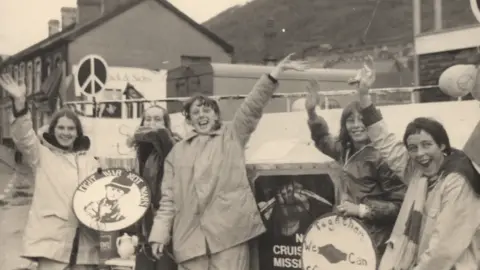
(402, 251)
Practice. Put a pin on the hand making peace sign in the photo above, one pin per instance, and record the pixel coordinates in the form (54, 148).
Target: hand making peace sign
(16, 91)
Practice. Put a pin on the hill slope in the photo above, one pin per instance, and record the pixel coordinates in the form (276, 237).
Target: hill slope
(341, 23)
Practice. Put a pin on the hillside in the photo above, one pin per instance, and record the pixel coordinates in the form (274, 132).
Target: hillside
(340, 23)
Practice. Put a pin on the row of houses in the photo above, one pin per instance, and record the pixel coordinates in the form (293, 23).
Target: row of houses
(150, 34)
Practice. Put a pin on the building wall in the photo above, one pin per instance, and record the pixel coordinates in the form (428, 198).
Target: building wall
(146, 36)
(33, 71)
(441, 50)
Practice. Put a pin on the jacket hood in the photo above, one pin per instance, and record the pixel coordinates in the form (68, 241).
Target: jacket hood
(81, 144)
(459, 162)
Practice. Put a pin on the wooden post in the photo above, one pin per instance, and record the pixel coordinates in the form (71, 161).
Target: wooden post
(438, 15)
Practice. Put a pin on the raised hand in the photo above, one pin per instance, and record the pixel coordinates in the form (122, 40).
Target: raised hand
(288, 64)
(17, 91)
(312, 99)
(365, 76)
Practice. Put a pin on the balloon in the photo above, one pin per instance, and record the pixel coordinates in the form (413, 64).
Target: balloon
(298, 105)
(458, 80)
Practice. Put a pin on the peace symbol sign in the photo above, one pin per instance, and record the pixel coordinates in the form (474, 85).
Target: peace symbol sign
(92, 74)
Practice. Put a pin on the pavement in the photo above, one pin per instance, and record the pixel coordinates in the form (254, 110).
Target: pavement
(13, 218)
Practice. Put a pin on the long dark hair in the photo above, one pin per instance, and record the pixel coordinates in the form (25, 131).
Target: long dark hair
(144, 149)
(343, 137)
(80, 142)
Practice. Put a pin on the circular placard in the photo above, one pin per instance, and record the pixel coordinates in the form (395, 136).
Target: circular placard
(111, 200)
(338, 243)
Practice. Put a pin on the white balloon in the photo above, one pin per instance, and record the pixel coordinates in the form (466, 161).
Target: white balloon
(458, 80)
(298, 105)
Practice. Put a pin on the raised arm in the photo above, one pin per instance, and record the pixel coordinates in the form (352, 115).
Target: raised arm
(162, 224)
(319, 130)
(391, 150)
(22, 132)
(248, 115)
(455, 226)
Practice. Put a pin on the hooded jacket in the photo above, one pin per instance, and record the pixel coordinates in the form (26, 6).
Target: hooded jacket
(52, 225)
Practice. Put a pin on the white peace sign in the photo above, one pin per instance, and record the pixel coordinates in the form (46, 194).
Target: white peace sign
(91, 75)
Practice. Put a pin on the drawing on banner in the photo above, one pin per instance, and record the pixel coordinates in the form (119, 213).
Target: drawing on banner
(111, 200)
(91, 75)
(290, 203)
(336, 242)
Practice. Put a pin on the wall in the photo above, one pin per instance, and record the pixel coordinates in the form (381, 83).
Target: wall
(440, 50)
(145, 36)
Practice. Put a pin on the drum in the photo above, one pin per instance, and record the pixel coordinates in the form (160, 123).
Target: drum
(111, 200)
(334, 242)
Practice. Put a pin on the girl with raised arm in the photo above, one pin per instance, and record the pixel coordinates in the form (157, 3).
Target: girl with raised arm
(207, 208)
(441, 211)
(53, 236)
(369, 189)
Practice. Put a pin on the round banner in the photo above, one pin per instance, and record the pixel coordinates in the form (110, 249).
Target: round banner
(335, 242)
(111, 200)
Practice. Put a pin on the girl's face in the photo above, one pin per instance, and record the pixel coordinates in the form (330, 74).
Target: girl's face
(356, 129)
(65, 132)
(202, 118)
(426, 152)
(153, 118)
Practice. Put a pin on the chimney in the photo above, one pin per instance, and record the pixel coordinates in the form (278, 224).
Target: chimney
(89, 10)
(53, 27)
(69, 16)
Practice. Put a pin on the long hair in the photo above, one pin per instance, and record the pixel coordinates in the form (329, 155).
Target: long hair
(65, 112)
(343, 137)
(144, 149)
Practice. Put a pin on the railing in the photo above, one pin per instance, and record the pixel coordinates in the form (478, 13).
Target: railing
(91, 108)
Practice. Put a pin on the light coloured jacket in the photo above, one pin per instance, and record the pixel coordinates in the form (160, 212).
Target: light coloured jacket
(52, 225)
(451, 215)
(217, 207)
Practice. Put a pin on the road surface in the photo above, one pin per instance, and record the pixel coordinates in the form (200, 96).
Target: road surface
(12, 222)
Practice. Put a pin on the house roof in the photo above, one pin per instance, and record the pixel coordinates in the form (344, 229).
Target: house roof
(74, 31)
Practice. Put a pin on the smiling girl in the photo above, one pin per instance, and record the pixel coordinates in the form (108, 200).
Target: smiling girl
(207, 208)
(60, 160)
(369, 189)
(441, 211)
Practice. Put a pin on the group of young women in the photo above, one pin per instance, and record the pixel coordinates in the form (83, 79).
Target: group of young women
(419, 198)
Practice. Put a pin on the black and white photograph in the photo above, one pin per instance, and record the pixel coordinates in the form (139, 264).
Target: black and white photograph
(239, 135)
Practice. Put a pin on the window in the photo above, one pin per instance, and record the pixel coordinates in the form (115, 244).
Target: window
(188, 60)
(37, 80)
(29, 80)
(58, 60)
(15, 73)
(48, 67)
(21, 73)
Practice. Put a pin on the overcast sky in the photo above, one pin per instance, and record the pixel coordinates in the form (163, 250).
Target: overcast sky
(24, 22)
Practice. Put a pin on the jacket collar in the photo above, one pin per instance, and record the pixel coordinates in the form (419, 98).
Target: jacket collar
(81, 145)
(193, 134)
